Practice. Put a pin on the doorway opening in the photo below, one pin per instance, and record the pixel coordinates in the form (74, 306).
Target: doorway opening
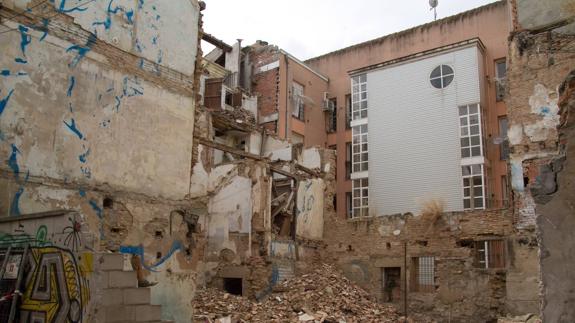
(391, 284)
(233, 286)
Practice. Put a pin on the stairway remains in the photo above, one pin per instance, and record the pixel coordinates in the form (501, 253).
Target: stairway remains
(122, 299)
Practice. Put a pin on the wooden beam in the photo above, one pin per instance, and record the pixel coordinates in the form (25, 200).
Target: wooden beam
(216, 42)
(231, 150)
(307, 170)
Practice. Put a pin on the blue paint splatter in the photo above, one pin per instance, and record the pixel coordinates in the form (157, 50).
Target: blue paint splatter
(118, 102)
(138, 46)
(22, 73)
(70, 107)
(140, 4)
(139, 251)
(132, 87)
(44, 28)
(155, 40)
(107, 23)
(72, 127)
(20, 60)
(157, 17)
(160, 56)
(63, 9)
(4, 101)
(96, 208)
(13, 161)
(82, 192)
(5, 72)
(15, 206)
(71, 86)
(130, 16)
(86, 171)
(25, 39)
(141, 63)
(83, 157)
(544, 111)
(82, 50)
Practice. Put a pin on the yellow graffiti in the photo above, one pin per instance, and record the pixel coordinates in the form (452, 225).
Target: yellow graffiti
(57, 287)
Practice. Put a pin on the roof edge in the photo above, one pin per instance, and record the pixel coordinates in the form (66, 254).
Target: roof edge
(409, 30)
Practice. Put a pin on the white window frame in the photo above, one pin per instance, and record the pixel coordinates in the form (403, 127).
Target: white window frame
(425, 274)
(465, 127)
(359, 97)
(360, 198)
(359, 148)
(468, 173)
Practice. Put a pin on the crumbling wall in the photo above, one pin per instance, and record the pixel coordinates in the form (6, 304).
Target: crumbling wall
(97, 116)
(540, 99)
(462, 291)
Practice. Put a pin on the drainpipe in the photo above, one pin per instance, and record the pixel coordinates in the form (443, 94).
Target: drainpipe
(287, 97)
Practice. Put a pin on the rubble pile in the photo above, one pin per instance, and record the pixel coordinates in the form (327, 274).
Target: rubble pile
(323, 295)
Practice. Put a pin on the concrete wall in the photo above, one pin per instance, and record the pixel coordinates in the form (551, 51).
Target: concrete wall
(541, 134)
(461, 291)
(533, 14)
(97, 103)
(310, 206)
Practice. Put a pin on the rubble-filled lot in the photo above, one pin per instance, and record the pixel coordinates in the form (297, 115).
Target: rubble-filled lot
(323, 295)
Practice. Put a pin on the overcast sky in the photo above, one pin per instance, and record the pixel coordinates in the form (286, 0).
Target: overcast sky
(308, 28)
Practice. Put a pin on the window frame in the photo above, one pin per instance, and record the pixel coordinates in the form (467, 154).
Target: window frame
(348, 159)
(360, 148)
(423, 277)
(504, 146)
(470, 177)
(298, 104)
(360, 193)
(485, 258)
(348, 111)
(465, 129)
(359, 97)
(442, 77)
(349, 205)
(332, 117)
(500, 81)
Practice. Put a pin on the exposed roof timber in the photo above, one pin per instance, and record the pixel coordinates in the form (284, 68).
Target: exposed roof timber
(420, 55)
(216, 42)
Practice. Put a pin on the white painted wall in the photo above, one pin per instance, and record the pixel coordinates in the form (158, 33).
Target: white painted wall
(414, 147)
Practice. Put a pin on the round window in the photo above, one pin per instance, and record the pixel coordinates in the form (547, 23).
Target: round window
(441, 76)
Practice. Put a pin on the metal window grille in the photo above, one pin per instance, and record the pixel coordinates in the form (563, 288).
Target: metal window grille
(423, 274)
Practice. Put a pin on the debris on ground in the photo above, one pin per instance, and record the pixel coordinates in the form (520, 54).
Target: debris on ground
(527, 318)
(323, 295)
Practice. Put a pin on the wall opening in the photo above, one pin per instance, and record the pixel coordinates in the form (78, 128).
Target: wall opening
(233, 286)
(391, 284)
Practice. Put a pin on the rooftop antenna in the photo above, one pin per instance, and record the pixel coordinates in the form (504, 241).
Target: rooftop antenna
(433, 5)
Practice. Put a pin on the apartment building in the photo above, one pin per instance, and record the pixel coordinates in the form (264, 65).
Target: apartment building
(420, 116)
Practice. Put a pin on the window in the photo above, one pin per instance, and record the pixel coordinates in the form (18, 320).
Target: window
(360, 197)
(504, 146)
(348, 204)
(360, 152)
(332, 115)
(441, 76)
(505, 191)
(348, 157)
(470, 131)
(500, 79)
(348, 111)
(490, 254)
(297, 99)
(423, 274)
(296, 138)
(359, 97)
(473, 187)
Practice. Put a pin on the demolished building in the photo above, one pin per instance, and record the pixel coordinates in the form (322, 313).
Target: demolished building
(119, 188)
(135, 171)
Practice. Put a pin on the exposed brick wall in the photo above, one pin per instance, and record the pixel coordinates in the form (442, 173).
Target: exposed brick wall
(265, 85)
(462, 292)
(541, 63)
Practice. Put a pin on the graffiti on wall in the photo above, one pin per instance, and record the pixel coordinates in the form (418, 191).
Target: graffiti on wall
(139, 251)
(57, 269)
(57, 286)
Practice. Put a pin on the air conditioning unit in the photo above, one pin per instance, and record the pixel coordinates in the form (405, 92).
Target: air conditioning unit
(328, 105)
